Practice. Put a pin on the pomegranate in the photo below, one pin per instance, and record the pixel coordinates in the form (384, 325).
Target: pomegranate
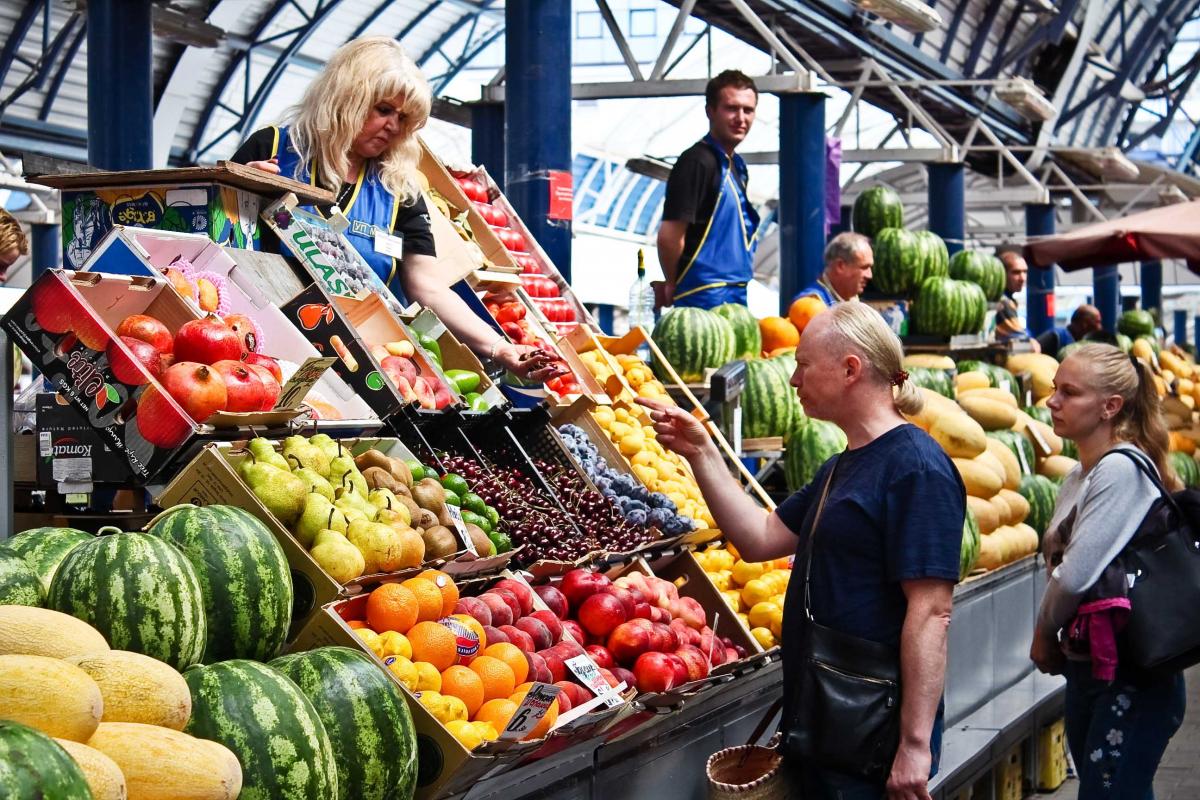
(243, 388)
(246, 329)
(149, 330)
(207, 341)
(198, 388)
(124, 361)
(159, 421)
(271, 387)
(266, 361)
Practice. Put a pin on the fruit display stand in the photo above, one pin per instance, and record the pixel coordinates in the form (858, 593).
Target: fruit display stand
(456, 359)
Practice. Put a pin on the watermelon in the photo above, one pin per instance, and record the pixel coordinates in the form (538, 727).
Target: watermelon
(766, 410)
(969, 551)
(898, 263)
(1040, 413)
(366, 717)
(937, 380)
(935, 258)
(877, 208)
(812, 443)
(270, 725)
(1041, 492)
(1136, 323)
(786, 364)
(19, 585)
(139, 591)
(1070, 449)
(1020, 446)
(34, 767)
(1124, 342)
(1185, 468)
(948, 307)
(747, 339)
(980, 268)
(44, 549)
(693, 340)
(244, 578)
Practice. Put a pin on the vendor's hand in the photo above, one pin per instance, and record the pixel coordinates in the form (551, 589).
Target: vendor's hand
(676, 429)
(1046, 654)
(909, 779)
(271, 165)
(529, 362)
(664, 294)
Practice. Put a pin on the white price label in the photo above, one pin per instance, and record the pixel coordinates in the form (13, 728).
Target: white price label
(589, 675)
(1003, 385)
(456, 515)
(533, 707)
(71, 470)
(389, 244)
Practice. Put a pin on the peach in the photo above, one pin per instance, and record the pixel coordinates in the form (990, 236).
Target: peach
(554, 599)
(518, 637)
(501, 612)
(551, 621)
(537, 631)
(521, 590)
(476, 608)
(601, 613)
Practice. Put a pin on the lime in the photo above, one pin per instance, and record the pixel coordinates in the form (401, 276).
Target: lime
(475, 503)
(452, 498)
(417, 469)
(455, 483)
(493, 516)
(476, 520)
(500, 541)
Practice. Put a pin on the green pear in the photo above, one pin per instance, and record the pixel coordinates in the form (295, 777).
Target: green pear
(328, 445)
(318, 514)
(344, 496)
(264, 450)
(379, 544)
(351, 513)
(343, 472)
(316, 483)
(397, 514)
(299, 453)
(382, 498)
(279, 490)
(338, 556)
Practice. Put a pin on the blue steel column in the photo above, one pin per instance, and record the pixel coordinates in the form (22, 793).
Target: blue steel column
(487, 139)
(1039, 290)
(537, 115)
(946, 204)
(1196, 330)
(801, 193)
(1180, 327)
(119, 74)
(45, 249)
(1106, 287)
(1152, 285)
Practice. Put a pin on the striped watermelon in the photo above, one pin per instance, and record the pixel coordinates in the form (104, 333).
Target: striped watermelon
(367, 719)
(980, 268)
(969, 551)
(1136, 323)
(693, 340)
(19, 585)
(935, 258)
(746, 336)
(877, 208)
(34, 767)
(244, 578)
(898, 261)
(269, 724)
(1185, 468)
(766, 409)
(947, 307)
(1124, 342)
(937, 380)
(139, 591)
(786, 364)
(1041, 492)
(1020, 446)
(44, 549)
(813, 442)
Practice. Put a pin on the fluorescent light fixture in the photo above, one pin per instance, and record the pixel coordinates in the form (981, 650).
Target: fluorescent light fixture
(1026, 99)
(912, 15)
(1115, 165)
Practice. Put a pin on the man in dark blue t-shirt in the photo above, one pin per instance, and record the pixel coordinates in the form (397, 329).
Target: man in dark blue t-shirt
(886, 548)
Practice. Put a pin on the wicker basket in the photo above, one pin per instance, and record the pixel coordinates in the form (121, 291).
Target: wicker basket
(746, 772)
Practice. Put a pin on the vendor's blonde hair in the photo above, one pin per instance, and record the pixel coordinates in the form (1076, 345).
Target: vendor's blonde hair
(331, 113)
(11, 234)
(864, 330)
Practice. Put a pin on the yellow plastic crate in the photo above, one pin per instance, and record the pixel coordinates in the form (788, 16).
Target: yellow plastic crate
(1008, 777)
(1052, 757)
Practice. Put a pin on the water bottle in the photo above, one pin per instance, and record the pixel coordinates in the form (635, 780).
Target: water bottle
(641, 298)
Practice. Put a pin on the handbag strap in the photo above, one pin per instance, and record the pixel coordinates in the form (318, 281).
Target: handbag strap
(812, 535)
(766, 721)
(1147, 468)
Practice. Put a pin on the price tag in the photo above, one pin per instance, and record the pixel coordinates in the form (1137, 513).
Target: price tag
(589, 675)
(1003, 385)
(533, 707)
(456, 515)
(389, 244)
(298, 386)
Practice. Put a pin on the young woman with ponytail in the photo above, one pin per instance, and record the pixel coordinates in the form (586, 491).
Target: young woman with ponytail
(885, 552)
(1118, 723)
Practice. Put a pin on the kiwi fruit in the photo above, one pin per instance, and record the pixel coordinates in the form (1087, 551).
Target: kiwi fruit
(443, 515)
(401, 472)
(373, 458)
(440, 542)
(429, 494)
(424, 518)
(379, 478)
(483, 545)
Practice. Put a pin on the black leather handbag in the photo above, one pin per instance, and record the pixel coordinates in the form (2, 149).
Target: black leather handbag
(845, 715)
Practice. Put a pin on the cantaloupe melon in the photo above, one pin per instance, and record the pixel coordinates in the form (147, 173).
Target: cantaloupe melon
(163, 764)
(959, 435)
(979, 479)
(966, 381)
(991, 551)
(56, 698)
(104, 777)
(928, 361)
(1018, 504)
(985, 514)
(1056, 466)
(991, 462)
(1008, 459)
(991, 414)
(999, 395)
(138, 688)
(25, 630)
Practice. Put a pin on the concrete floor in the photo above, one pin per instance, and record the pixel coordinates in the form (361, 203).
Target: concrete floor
(1178, 775)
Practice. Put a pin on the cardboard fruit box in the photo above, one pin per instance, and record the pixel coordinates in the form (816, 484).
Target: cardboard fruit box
(65, 323)
(455, 355)
(213, 478)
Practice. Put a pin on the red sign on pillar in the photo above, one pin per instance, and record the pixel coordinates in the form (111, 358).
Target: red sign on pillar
(1050, 307)
(562, 195)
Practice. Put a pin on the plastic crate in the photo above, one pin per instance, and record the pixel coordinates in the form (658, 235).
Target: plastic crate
(1052, 756)
(1008, 776)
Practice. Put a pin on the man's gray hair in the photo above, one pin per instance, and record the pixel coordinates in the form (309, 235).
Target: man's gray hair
(846, 246)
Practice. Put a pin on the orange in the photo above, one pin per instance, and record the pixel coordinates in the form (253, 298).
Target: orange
(433, 643)
(429, 598)
(803, 309)
(355, 624)
(496, 712)
(474, 627)
(464, 684)
(545, 723)
(496, 676)
(513, 656)
(392, 607)
(446, 586)
(777, 332)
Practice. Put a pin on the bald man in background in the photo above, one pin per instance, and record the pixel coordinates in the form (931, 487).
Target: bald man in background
(1085, 320)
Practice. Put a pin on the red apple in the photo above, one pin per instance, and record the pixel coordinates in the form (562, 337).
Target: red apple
(695, 661)
(554, 599)
(628, 641)
(514, 603)
(474, 607)
(54, 307)
(271, 387)
(519, 637)
(537, 631)
(159, 421)
(601, 613)
(493, 635)
(555, 662)
(243, 388)
(125, 361)
(551, 621)
(656, 672)
(625, 597)
(538, 671)
(199, 389)
(601, 656)
(574, 629)
(580, 584)
(522, 591)
(500, 611)
(258, 359)
(207, 341)
(150, 330)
